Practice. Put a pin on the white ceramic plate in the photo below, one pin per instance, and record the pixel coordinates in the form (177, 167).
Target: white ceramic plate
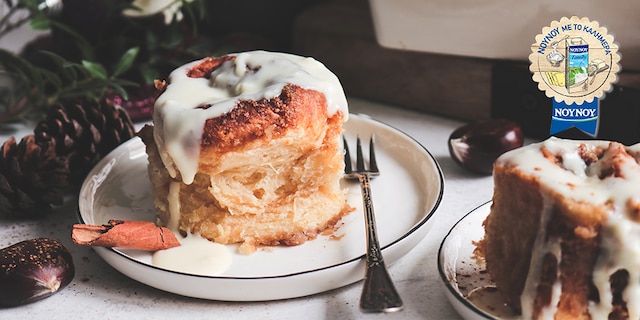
(467, 284)
(405, 196)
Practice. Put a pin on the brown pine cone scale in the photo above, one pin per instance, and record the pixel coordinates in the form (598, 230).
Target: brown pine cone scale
(84, 132)
(72, 138)
(31, 177)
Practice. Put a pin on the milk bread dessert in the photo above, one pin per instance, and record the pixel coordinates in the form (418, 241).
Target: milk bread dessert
(246, 149)
(562, 240)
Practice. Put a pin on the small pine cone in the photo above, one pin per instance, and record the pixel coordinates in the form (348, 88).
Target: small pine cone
(32, 177)
(84, 132)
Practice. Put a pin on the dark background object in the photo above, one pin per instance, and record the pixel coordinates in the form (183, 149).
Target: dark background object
(515, 96)
(341, 35)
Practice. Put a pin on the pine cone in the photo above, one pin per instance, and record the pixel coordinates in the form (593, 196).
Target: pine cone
(31, 177)
(84, 131)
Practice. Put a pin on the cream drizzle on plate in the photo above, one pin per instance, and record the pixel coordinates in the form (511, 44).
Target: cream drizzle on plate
(195, 255)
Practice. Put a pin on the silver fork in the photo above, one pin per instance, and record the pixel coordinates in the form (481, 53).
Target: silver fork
(378, 292)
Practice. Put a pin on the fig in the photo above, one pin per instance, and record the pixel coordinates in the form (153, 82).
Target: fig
(476, 146)
(32, 270)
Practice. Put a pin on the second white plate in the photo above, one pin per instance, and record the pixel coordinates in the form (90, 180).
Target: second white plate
(467, 284)
(405, 196)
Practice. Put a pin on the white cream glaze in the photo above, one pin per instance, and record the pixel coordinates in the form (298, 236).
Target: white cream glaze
(541, 246)
(620, 250)
(173, 199)
(556, 291)
(254, 75)
(581, 182)
(195, 255)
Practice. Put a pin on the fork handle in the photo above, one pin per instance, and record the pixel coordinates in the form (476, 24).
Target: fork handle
(378, 292)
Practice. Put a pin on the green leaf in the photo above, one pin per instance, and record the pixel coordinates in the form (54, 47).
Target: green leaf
(56, 58)
(40, 22)
(121, 91)
(29, 4)
(85, 87)
(124, 82)
(52, 78)
(125, 61)
(67, 69)
(24, 70)
(119, 84)
(96, 69)
(148, 73)
(83, 45)
(95, 87)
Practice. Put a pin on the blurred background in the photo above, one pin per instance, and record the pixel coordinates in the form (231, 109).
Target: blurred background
(462, 59)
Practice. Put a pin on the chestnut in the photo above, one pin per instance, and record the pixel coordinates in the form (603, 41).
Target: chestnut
(477, 145)
(32, 270)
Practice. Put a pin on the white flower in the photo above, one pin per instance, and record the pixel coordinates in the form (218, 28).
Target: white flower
(170, 9)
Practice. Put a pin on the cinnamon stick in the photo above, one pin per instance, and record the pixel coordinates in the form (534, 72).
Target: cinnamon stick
(140, 235)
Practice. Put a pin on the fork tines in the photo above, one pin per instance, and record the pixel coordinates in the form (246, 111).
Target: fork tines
(360, 165)
(347, 157)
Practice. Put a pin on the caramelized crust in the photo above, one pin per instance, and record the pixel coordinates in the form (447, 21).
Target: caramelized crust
(269, 171)
(207, 65)
(264, 119)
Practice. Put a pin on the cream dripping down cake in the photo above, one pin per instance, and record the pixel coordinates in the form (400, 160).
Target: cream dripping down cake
(562, 239)
(245, 149)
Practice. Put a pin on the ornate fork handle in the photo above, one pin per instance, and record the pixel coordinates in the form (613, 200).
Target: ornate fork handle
(378, 293)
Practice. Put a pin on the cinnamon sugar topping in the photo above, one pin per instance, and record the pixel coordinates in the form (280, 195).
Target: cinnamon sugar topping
(212, 87)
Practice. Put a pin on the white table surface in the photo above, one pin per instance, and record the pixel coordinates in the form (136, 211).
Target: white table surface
(100, 292)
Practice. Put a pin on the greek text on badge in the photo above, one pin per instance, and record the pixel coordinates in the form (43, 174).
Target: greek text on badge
(575, 62)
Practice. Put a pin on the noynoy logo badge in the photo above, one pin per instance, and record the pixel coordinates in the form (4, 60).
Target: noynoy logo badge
(575, 62)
